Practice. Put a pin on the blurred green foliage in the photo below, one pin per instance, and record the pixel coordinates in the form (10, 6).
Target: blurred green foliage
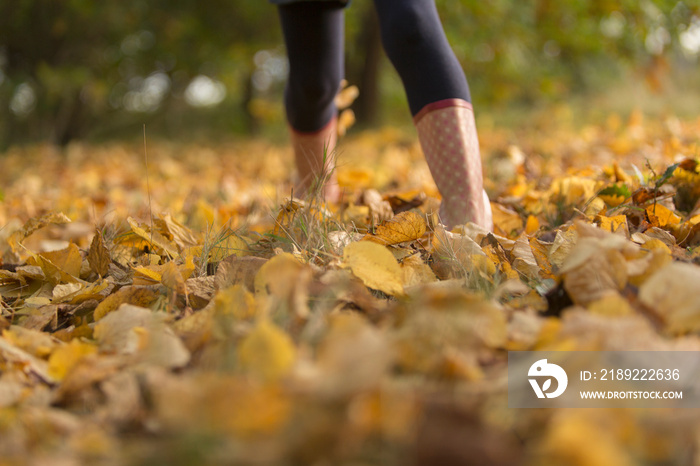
(79, 68)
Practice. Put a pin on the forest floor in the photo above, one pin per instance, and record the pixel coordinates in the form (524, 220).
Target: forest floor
(168, 304)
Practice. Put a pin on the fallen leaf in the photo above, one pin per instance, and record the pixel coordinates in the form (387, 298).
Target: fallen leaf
(671, 293)
(266, 352)
(136, 295)
(153, 237)
(98, 255)
(661, 216)
(406, 226)
(133, 330)
(506, 222)
(34, 224)
(233, 270)
(64, 358)
(375, 266)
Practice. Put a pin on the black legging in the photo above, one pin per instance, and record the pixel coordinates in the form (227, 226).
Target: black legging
(413, 39)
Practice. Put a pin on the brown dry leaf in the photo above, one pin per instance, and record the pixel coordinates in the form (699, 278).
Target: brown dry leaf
(133, 330)
(136, 295)
(375, 266)
(267, 353)
(201, 290)
(406, 226)
(459, 247)
(233, 270)
(563, 243)
(540, 251)
(182, 236)
(153, 237)
(76, 293)
(524, 259)
(98, 255)
(593, 269)
(380, 210)
(34, 224)
(671, 293)
(61, 266)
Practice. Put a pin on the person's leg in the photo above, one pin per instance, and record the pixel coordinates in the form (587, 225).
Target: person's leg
(313, 33)
(439, 99)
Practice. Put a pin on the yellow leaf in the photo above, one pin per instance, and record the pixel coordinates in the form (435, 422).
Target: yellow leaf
(235, 300)
(611, 304)
(172, 278)
(375, 266)
(182, 236)
(661, 216)
(355, 178)
(153, 237)
(63, 359)
(532, 225)
(540, 251)
(572, 190)
(233, 245)
(406, 226)
(67, 268)
(616, 224)
(267, 352)
(569, 439)
(136, 295)
(345, 121)
(506, 221)
(80, 293)
(346, 97)
(148, 275)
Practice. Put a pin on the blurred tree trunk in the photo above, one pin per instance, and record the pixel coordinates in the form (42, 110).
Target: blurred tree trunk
(252, 123)
(366, 75)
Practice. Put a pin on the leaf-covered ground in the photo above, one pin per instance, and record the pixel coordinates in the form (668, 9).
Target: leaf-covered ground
(176, 309)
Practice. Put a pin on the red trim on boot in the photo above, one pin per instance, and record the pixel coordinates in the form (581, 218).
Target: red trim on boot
(441, 104)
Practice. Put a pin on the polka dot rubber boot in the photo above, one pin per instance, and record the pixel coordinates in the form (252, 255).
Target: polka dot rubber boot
(314, 154)
(447, 134)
